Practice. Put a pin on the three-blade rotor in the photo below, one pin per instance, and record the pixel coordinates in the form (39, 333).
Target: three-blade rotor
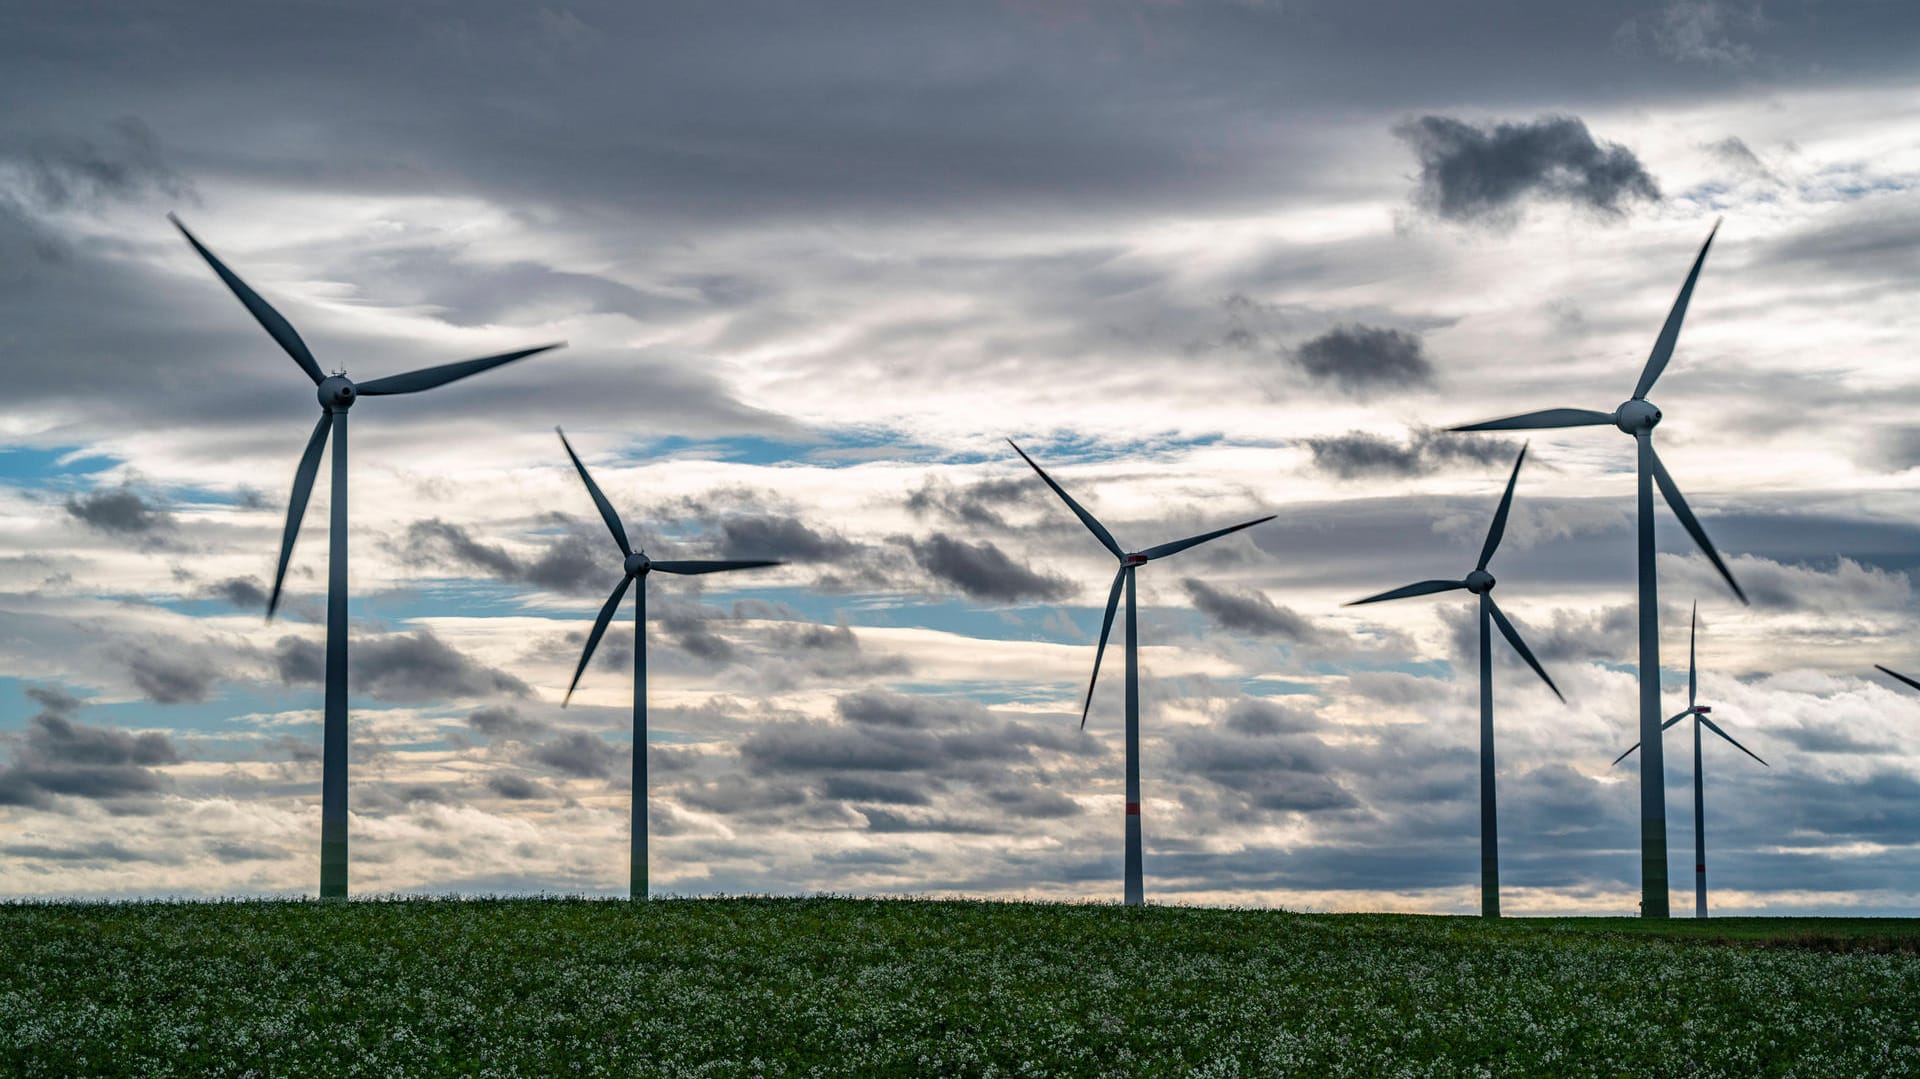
(636, 567)
(1695, 710)
(1127, 561)
(1480, 581)
(1637, 417)
(337, 394)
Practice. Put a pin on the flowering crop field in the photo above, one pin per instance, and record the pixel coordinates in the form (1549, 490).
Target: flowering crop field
(790, 987)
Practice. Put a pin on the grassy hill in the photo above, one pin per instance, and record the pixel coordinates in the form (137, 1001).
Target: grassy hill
(784, 987)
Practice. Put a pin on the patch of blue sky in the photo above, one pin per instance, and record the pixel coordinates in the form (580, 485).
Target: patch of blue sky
(1000, 692)
(838, 447)
(27, 466)
(1079, 447)
(219, 717)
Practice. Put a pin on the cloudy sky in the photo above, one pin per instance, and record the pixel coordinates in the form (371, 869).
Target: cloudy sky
(814, 264)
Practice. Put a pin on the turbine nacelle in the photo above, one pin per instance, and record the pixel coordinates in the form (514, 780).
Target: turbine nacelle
(1636, 416)
(638, 564)
(1703, 709)
(337, 393)
(1135, 559)
(1479, 582)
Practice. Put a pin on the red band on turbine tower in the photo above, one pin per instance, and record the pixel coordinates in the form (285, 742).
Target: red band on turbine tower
(1133, 809)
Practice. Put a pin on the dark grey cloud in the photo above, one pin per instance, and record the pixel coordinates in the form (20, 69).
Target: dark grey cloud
(978, 504)
(855, 789)
(789, 539)
(1363, 453)
(1261, 716)
(580, 754)
(64, 170)
(244, 593)
(1271, 772)
(571, 563)
(983, 571)
(516, 788)
(1247, 611)
(686, 628)
(1470, 173)
(60, 757)
(1356, 358)
(120, 511)
(397, 666)
(176, 675)
(506, 721)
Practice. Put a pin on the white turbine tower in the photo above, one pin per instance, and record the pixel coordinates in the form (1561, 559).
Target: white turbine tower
(1638, 417)
(1135, 887)
(636, 567)
(337, 394)
(1481, 583)
(1699, 714)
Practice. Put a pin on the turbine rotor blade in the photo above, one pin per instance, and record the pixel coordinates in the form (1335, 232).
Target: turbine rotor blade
(1418, 588)
(1670, 333)
(1106, 628)
(1678, 504)
(1099, 530)
(1165, 549)
(709, 567)
(599, 500)
(1669, 723)
(297, 502)
(1693, 677)
(1897, 675)
(1533, 421)
(428, 377)
(1499, 527)
(1513, 638)
(1715, 728)
(272, 321)
(599, 630)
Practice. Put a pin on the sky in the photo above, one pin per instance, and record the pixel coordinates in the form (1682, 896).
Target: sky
(814, 265)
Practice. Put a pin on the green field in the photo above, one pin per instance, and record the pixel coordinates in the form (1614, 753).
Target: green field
(548, 987)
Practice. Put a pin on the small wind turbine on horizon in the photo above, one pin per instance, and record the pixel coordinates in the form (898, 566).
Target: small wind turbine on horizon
(1134, 888)
(1699, 714)
(1481, 583)
(636, 568)
(337, 394)
(1638, 417)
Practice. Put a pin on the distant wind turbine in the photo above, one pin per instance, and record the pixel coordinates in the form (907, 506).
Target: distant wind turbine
(636, 568)
(1638, 417)
(1135, 888)
(1699, 714)
(337, 394)
(1480, 583)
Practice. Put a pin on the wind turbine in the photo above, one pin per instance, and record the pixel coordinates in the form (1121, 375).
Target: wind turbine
(636, 568)
(1480, 583)
(1699, 714)
(337, 394)
(1638, 417)
(1135, 888)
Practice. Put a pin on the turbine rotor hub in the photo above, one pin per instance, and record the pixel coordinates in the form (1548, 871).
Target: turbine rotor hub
(638, 564)
(1480, 582)
(337, 394)
(1636, 416)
